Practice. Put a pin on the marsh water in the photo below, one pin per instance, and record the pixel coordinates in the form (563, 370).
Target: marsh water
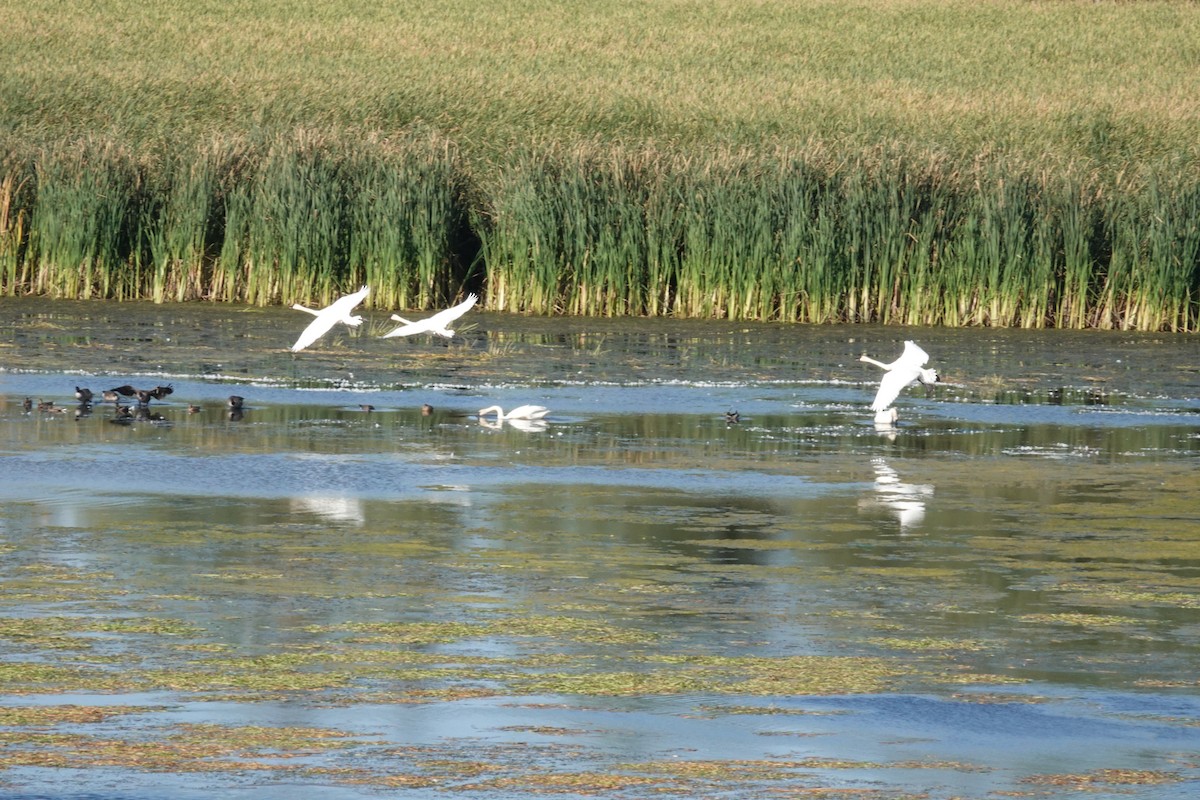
(335, 594)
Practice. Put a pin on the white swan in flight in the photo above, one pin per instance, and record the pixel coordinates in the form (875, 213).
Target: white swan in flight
(520, 412)
(909, 367)
(337, 311)
(435, 324)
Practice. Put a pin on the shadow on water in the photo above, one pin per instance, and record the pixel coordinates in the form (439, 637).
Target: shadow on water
(337, 591)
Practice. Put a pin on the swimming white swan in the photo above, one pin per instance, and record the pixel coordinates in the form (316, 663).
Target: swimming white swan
(520, 412)
(435, 324)
(337, 311)
(909, 367)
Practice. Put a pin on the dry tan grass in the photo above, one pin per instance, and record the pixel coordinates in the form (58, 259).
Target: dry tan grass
(1076, 79)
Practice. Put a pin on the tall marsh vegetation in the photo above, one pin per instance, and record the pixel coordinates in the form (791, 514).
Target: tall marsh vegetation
(902, 161)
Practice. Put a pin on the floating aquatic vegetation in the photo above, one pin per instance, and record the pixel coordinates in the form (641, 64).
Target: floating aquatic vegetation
(1099, 780)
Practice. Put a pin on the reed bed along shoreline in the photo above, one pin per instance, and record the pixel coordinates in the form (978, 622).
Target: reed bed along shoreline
(792, 236)
(942, 162)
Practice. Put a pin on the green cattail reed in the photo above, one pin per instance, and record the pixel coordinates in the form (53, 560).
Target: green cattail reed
(883, 235)
(82, 226)
(1076, 217)
(228, 275)
(664, 243)
(403, 211)
(916, 298)
(295, 249)
(181, 231)
(1005, 228)
(705, 272)
(15, 201)
(728, 264)
(1168, 295)
(883, 203)
(569, 233)
(520, 234)
(810, 258)
(617, 284)
(1039, 278)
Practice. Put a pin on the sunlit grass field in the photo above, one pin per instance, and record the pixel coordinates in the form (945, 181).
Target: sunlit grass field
(917, 161)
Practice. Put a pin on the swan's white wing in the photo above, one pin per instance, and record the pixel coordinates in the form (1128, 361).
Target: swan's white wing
(344, 305)
(913, 356)
(891, 385)
(448, 315)
(315, 330)
(454, 312)
(408, 329)
(527, 412)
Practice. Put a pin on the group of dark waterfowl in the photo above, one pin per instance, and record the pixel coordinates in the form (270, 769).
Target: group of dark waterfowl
(126, 412)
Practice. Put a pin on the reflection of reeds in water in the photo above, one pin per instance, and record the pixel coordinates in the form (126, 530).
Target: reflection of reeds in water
(602, 229)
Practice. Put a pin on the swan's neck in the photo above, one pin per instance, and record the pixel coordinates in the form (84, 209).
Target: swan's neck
(870, 360)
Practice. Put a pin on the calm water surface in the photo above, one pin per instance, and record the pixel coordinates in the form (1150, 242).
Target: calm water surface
(999, 596)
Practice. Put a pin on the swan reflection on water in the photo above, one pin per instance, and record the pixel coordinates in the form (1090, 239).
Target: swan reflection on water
(527, 425)
(905, 500)
(528, 418)
(337, 508)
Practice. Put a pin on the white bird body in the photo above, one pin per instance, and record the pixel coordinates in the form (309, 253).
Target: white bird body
(909, 367)
(520, 412)
(337, 311)
(435, 324)
(886, 418)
